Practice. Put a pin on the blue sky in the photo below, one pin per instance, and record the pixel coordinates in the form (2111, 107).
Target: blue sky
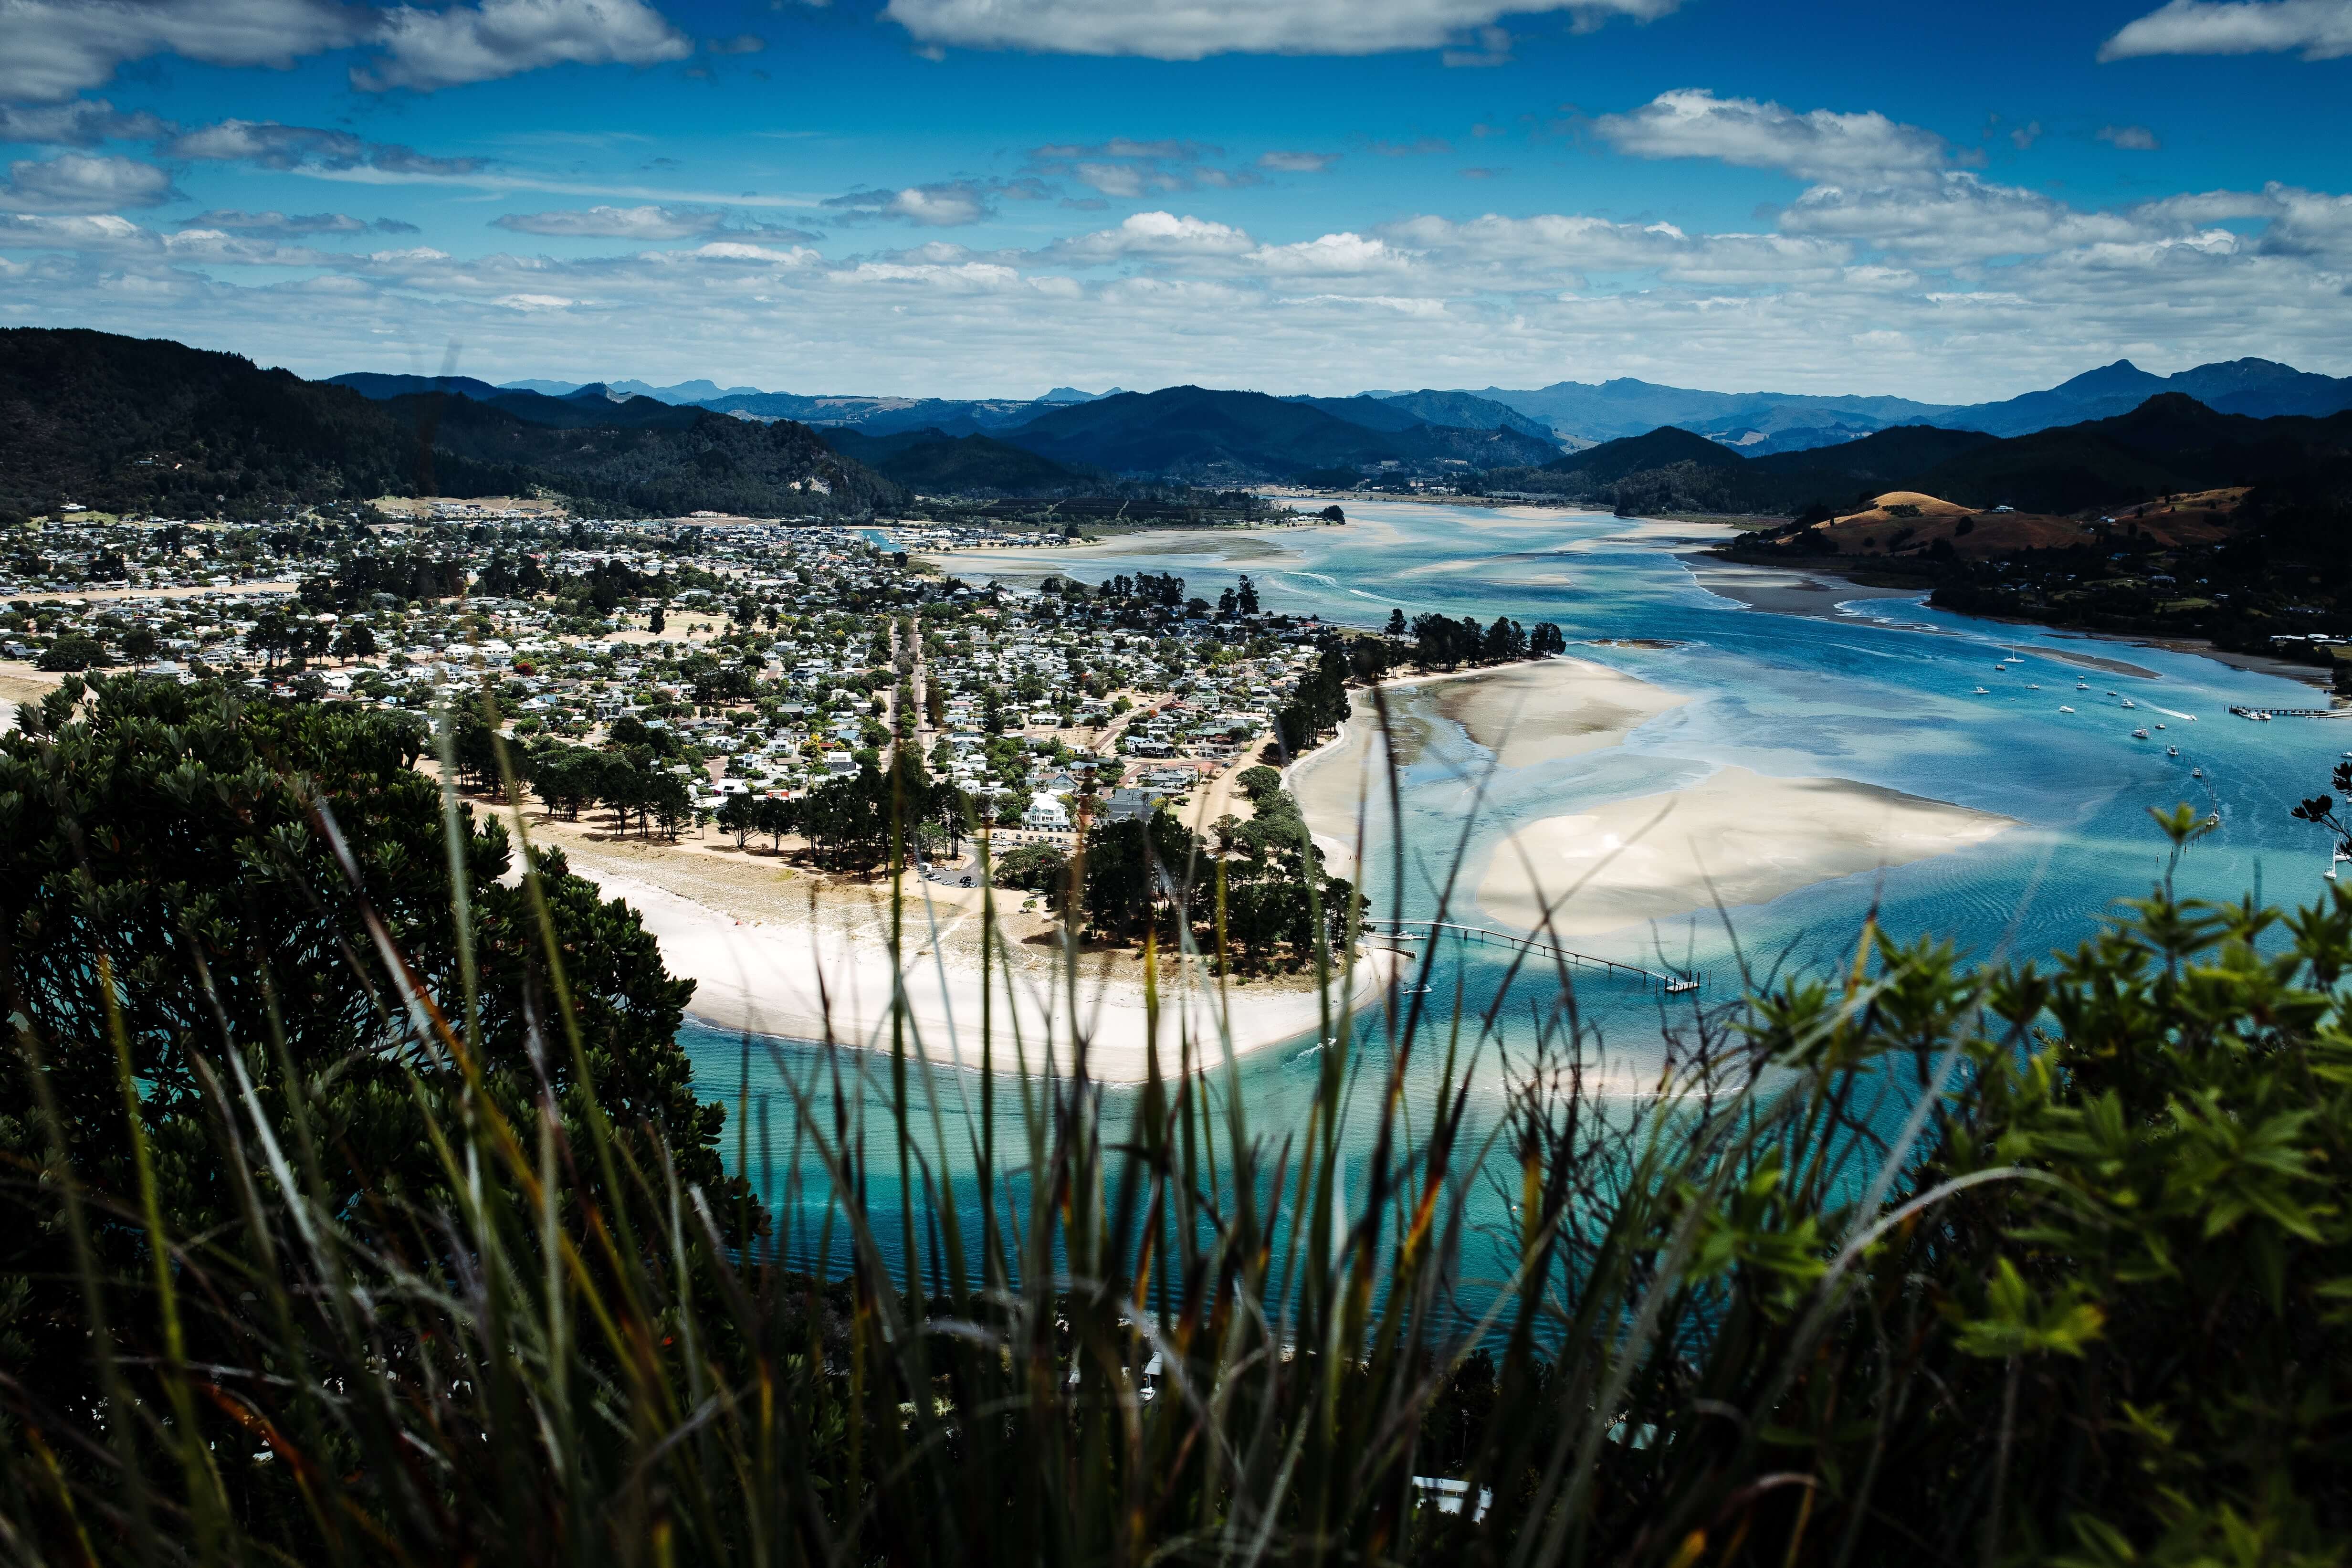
(969, 197)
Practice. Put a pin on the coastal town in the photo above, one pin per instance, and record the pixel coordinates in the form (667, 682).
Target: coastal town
(730, 662)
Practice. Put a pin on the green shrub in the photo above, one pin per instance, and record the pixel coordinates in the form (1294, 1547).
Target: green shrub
(360, 1212)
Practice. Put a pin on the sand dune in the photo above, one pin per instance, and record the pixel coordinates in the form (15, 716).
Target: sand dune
(1747, 838)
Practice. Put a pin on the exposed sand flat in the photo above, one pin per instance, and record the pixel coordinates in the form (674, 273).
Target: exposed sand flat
(1539, 711)
(815, 982)
(1736, 835)
(1552, 708)
(19, 683)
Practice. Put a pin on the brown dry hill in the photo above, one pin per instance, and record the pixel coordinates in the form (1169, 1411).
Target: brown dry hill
(1910, 522)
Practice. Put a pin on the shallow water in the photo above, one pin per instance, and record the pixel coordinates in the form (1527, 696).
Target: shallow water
(1882, 693)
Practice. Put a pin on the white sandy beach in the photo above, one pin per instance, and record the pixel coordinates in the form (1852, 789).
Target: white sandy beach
(1526, 714)
(815, 980)
(1737, 836)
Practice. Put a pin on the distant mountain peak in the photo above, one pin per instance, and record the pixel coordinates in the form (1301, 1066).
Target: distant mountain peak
(1072, 394)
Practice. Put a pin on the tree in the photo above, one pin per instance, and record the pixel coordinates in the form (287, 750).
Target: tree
(775, 817)
(354, 640)
(1547, 640)
(1395, 627)
(738, 817)
(73, 651)
(167, 869)
(658, 622)
(1245, 596)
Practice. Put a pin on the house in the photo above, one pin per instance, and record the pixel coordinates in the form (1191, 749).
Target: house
(1046, 815)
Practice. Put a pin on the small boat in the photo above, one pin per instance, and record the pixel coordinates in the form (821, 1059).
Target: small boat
(2171, 751)
(2139, 735)
(2264, 717)
(2032, 686)
(2111, 694)
(2197, 773)
(2159, 726)
(2129, 703)
(2082, 686)
(2063, 708)
(1981, 692)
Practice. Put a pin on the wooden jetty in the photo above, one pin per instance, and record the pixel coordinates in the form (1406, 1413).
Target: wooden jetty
(1672, 981)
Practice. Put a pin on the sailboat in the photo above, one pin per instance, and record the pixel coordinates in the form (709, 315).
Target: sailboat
(2129, 703)
(2063, 708)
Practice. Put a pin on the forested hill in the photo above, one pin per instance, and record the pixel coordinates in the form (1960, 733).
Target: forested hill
(2169, 444)
(120, 424)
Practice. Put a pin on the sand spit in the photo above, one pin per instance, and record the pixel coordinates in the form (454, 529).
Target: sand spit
(814, 978)
(1736, 835)
(1539, 711)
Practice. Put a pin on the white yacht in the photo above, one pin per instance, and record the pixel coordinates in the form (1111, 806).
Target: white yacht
(2139, 735)
(2063, 708)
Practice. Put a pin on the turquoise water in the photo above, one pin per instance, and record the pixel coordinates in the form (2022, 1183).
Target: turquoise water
(1881, 694)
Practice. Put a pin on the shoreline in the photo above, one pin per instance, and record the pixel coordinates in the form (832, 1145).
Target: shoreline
(818, 978)
(1786, 600)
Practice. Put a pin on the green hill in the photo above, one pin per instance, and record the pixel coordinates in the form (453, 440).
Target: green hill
(934, 461)
(120, 424)
(1192, 432)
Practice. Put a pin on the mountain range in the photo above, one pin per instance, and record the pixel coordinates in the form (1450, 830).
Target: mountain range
(119, 423)
(1574, 414)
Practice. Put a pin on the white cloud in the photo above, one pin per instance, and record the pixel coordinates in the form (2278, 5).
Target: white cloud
(2131, 138)
(434, 48)
(1155, 234)
(1819, 144)
(1297, 163)
(1330, 254)
(51, 49)
(100, 235)
(1194, 29)
(235, 222)
(641, 223)
(85, 122)
(945, 204)
(2321, 29)
(76, 183)
(1960, 220)
(309, 148)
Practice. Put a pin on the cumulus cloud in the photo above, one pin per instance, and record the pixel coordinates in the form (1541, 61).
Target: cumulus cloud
(642, 223)
(83, 124)
(51, 49)
(1297, 163)
(1155, 234)
(2321, 30)
(2131, 138)
(1819, 144)
(1202, 27)
(434, 48)
(76, 183)
(271, 145)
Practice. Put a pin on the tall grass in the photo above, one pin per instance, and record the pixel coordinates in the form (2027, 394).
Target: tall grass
(1167, 1335)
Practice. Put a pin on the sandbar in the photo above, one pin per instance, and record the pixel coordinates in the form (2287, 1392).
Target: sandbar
(823, 975)
(1737, 837)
